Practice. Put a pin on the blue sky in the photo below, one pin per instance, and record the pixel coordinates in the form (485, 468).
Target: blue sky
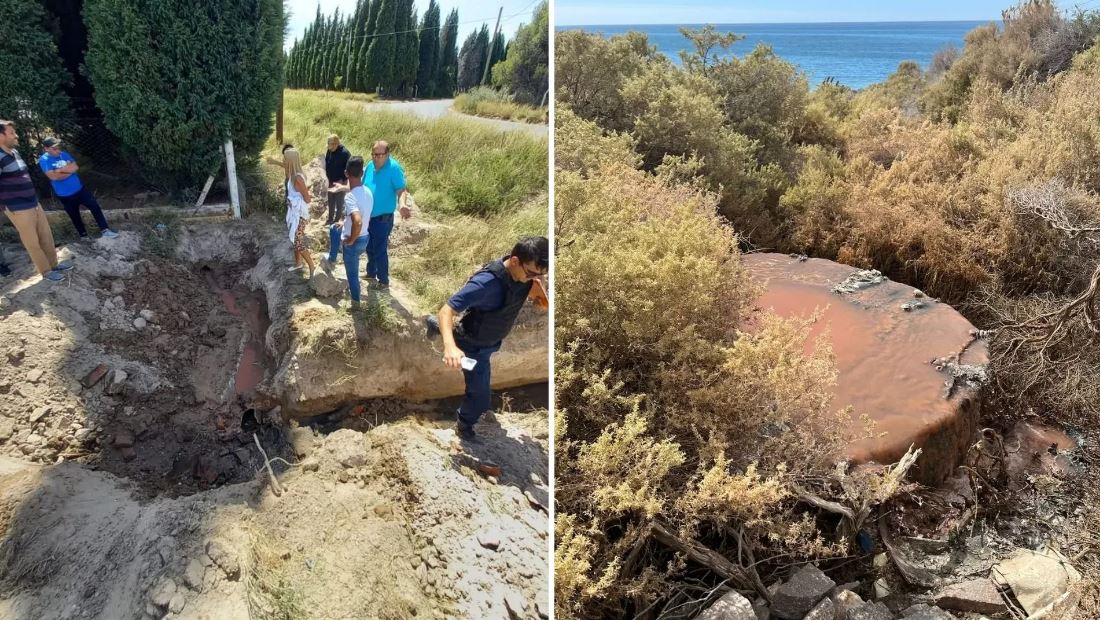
(471, 14)
(586, 12)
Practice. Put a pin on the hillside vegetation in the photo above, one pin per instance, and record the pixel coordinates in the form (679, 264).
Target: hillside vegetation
(975, 179)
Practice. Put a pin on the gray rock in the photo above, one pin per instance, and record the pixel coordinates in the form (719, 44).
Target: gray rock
(124, 439)
(147, 314)
(225, 559)
(325, 285)
(7, 427)
(177, 603)
(310, 464)
(163, 592)
(870, 611)
(825, 610)
(194, 575)
(732, 606)
(139, 323)
(924, 612)
(39, 413)
(489, 539)
(798, 596)
(35, 375)
(301, 439)
(977, 595)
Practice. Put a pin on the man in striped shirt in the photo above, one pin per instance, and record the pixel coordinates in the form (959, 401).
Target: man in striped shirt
(20, 203)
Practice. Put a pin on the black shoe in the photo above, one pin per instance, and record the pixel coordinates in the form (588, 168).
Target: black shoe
(466, 433)
(432, 326)
(4, 270)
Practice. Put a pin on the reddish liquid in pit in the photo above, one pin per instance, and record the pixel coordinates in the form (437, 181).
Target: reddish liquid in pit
(250, 309)
(882, 353)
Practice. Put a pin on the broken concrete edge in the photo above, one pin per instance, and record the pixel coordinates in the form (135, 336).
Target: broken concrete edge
(401, 362)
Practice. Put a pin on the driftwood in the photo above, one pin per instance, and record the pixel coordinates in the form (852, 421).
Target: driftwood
(696, 552)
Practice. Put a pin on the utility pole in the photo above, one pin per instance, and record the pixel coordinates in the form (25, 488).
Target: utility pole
(492, 44)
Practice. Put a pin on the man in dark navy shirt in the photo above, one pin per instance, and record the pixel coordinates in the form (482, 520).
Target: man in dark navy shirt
(489, 304)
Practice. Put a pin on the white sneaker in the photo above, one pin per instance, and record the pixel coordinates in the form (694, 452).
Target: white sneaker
(295, 268)
(109, 234)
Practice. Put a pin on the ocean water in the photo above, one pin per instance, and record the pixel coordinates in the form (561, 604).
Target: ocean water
(854, 54)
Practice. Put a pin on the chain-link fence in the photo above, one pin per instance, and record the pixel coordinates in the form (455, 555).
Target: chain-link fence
(117, 178)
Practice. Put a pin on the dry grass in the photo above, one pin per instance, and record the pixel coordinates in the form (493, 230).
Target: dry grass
(491, 103)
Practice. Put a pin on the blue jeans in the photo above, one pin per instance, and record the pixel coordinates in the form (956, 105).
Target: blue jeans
(378, 250)
(72, 208)
(352, 252)
(478, 397)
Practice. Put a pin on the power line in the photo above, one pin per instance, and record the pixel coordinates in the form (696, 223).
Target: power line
(348, 39)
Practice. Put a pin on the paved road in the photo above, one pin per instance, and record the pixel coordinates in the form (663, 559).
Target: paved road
(437, 108)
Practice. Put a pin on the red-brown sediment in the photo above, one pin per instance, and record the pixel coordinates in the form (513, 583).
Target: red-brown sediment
(884, 356)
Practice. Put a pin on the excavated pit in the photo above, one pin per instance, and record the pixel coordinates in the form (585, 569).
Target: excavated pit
(912, 365)
(195, 429)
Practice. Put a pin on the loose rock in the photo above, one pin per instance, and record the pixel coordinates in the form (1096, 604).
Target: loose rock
(225, 559)
(871, 611)
(798, 596)
(732, 606)
(977, 595)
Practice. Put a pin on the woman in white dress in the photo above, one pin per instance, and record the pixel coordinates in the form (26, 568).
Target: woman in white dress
(297, 213)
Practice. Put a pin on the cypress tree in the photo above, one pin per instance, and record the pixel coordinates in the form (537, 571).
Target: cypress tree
(447, 68)
(32, 75)
(407, 56)
(351, 46)
(471, 60)
(383, 47)
(173, 103)
(316, 48)
(525, 70)
(495, 56)
(400, 26)
(428, 52)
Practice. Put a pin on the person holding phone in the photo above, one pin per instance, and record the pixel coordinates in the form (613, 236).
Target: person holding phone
(489, 304)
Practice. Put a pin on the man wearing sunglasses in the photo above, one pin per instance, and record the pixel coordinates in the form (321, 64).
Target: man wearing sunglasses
(491, 300)
(386, 181)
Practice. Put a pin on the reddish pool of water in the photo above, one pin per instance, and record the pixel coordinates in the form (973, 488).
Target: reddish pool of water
(882, 355)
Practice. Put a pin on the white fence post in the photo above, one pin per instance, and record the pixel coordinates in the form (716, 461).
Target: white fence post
(231, 170)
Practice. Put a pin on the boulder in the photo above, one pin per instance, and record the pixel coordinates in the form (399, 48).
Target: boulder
(978, 596)
(327, 285)
(794, 599)
(732, 606)
(924, 612)
(870, 611)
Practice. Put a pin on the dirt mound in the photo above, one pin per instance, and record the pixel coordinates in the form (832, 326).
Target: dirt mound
(131, 484)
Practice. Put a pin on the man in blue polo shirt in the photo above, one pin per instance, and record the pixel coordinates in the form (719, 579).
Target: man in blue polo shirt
(19, 202)
(386, 181)
(61, 168)
(489, 304)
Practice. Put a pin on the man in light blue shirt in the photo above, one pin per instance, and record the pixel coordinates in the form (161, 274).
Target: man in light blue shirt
(386, 180)
(61, 168)
(351, 232)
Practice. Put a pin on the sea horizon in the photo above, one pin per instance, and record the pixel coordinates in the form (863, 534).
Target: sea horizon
(856, 54)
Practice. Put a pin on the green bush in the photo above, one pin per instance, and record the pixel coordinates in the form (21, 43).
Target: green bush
(175, 79)
(32, 77)
(525, 72)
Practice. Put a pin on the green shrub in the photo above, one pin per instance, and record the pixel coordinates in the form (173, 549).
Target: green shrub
(492, 103)
(173, 96)
(525, 72)
(32, 77)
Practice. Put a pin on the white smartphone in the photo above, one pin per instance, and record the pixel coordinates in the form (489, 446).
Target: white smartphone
(467, 363)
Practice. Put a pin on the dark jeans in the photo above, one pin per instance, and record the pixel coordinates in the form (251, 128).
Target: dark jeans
(351, 257)
(478, 397)
(335, 206)
(72, 207)
(378, 250)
